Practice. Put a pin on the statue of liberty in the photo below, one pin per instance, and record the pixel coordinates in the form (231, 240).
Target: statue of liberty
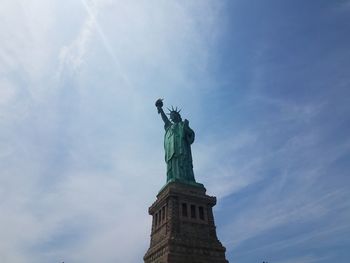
(177, 145)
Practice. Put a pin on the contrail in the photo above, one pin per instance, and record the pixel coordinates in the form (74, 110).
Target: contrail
(91, 11)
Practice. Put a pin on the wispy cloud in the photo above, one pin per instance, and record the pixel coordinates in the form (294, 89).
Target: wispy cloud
(305, 259)
(81, 142)
(298, 185)
(79, 124)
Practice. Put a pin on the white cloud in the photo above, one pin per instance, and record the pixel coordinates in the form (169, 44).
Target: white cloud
(218, 163)
(72, 55)
(7, 92)
(304, 259)
(79, 149)
(298, 193)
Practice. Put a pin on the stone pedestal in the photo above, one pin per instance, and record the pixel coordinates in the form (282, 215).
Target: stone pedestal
(183, 229)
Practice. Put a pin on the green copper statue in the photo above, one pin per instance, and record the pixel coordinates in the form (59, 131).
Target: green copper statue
(177, 144)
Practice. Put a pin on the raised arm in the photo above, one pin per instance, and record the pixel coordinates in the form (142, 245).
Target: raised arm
(159, 105)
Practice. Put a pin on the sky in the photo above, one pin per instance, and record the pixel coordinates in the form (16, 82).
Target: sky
(264, 84)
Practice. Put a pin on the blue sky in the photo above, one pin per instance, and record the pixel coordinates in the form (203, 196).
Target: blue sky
(264, 84)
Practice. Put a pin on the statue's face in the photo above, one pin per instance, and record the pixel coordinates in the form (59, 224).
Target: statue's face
(175, 117)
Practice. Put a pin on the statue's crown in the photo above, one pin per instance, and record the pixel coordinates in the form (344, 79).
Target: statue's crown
(172, 110)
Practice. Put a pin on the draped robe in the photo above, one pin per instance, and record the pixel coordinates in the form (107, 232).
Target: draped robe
(177, 144)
